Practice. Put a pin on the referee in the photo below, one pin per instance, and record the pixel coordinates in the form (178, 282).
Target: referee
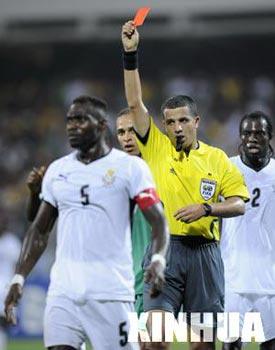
(190, 178)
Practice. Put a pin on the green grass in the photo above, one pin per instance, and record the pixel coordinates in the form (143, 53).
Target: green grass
(25, 345)
(38, 345)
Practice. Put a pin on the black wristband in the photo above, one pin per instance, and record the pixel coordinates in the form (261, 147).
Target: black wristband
(130, 60)
(207, 208)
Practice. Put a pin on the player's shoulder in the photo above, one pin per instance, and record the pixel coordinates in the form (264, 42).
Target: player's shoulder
(272, 163)
(235, 160)
(269, 169)
(117, 154)
(124, 158)
(59, 163)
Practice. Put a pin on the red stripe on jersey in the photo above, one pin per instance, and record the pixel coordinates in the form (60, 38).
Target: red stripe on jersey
(147, 198)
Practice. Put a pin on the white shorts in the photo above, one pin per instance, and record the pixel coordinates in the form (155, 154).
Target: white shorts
(104, 323)
(242, 303)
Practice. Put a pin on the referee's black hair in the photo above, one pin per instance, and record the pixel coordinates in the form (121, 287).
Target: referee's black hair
(180, 101)
(258, 115)
(94, 105)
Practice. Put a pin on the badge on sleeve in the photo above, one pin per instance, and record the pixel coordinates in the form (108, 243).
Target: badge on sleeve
(208, 188)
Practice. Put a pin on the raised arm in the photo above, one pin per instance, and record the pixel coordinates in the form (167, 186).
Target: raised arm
(130, 40)
(35, 242)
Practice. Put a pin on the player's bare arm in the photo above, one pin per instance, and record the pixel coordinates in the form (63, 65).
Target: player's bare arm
(160, 238)
(130, 41)
(34, 182)
(35, 242)
(232, 206)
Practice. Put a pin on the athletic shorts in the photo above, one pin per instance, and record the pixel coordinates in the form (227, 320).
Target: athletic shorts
(194, 277)
(104, 323)
(242, 303)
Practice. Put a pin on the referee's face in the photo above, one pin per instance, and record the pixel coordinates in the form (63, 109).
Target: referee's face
(181, 127)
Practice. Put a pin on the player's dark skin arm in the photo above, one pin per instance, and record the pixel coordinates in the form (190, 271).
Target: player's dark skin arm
(34, 181)
(160, 239)
(33, 206)
(35, 242)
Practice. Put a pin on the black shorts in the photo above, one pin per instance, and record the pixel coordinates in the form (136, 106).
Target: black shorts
(194, 277)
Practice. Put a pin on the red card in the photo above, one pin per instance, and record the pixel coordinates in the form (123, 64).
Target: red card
(141, 15)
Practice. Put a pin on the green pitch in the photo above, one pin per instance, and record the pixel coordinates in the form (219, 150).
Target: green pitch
(37, 345)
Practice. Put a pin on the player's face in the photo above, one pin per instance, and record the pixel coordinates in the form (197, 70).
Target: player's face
(255, 139)
(126, 134)
(181, 127)
(83, 129)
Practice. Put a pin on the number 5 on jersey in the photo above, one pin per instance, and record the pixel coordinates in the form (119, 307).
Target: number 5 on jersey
(84, 194)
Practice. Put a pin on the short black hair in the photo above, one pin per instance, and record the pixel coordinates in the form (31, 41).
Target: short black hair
(124, 111)
(94, 105)
(180, 101)
(257, 115)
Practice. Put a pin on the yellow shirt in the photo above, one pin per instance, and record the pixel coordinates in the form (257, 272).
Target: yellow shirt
(201, 177)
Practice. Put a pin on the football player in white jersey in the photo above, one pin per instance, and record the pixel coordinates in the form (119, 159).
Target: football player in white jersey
(91, 289)
(248, 242)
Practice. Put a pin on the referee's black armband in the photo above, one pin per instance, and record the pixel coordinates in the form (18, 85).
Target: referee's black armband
(130, 60)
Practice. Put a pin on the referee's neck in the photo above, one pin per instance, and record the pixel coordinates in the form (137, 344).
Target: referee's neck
(194, 145)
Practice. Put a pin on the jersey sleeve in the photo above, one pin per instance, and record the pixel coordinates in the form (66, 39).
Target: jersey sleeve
(152, 142)
(140, 177)
(232, 183)
(47, 194)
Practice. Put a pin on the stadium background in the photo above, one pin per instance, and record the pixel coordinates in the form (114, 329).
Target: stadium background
(221, 53)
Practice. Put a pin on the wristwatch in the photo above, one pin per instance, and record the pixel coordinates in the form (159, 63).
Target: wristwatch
(207, 208)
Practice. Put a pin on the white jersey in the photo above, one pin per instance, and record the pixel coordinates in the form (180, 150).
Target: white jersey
(9, 252)
(248, 241)
(93, 256)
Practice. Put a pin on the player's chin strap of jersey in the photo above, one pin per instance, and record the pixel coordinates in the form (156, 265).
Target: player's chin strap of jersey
(147, 198)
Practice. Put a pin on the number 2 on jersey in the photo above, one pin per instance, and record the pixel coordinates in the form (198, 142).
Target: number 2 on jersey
(256, 192)
(84, 195)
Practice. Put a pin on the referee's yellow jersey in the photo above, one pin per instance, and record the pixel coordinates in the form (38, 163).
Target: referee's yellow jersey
(201, 177)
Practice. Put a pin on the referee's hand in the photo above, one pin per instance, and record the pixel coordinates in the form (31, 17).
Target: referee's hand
(190, 213)
(129, 36)
(154, 274)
